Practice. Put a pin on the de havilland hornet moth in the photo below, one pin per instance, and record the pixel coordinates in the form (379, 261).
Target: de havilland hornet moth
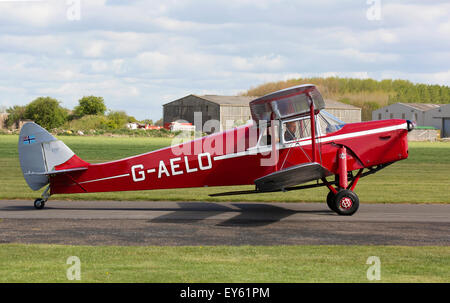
(291, 141)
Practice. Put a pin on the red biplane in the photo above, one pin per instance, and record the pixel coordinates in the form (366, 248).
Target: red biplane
(291, 141)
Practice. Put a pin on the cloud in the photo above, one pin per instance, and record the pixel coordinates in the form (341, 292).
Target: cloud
(141, 54)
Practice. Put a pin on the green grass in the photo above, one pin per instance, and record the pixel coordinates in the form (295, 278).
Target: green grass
(47, 263)
(422, 178)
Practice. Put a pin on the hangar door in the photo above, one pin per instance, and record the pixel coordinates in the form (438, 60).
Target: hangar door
(446, 127)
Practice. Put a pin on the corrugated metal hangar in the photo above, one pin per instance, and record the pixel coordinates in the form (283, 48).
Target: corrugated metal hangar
(424, 114)
(235, 110)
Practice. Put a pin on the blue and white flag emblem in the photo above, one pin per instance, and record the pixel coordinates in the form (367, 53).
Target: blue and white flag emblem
(29, 139)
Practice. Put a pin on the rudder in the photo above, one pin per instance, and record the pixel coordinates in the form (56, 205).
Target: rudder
(40, 154)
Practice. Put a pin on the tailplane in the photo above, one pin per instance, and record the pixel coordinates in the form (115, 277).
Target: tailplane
(41, 155)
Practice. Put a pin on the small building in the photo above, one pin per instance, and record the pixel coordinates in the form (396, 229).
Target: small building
(345, 112)
(178, 126)
(408, 111)
(132, 125)
(232, 111)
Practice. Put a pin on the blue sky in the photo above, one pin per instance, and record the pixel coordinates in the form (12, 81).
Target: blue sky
(139, 55)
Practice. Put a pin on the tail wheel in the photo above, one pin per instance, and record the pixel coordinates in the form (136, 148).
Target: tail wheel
(346, 202)
(39, 203)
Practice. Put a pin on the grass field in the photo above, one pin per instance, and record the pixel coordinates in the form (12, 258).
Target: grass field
(47, 263)
(423, 178)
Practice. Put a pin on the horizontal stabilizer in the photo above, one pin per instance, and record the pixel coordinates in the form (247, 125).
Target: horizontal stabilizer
(291, 176)
(55, 172)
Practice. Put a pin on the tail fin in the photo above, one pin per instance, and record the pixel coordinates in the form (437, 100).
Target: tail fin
(41, 155)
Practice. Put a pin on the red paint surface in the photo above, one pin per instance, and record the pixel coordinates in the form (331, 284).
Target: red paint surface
(362, 151)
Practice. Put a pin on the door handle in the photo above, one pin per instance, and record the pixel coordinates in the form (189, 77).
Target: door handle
(385, 137)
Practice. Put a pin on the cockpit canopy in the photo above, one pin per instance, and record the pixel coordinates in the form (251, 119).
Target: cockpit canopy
(287, 103)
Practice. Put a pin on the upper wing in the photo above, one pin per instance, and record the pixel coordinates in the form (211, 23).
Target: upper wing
(291, 176)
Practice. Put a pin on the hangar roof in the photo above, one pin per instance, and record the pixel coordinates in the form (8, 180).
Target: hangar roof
(228, 100)
(245, 100)
(332, 104)
(422, 106)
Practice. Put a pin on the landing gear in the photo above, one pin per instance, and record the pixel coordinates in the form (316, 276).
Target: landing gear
(39, 203)
(344, 203)
(342, 200)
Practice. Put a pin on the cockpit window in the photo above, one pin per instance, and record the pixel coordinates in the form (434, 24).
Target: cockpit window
(329, 123)
(296, 129)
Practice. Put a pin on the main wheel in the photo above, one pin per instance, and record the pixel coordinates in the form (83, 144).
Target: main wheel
(39, 203)
(330, 201)
(346, 202)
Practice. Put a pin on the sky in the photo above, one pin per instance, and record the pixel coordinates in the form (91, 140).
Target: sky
(139, 55)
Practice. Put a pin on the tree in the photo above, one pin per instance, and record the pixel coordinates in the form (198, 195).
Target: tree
(16, 113)
(147, 121)
(116, 119)
(90, 105)
(46, 112)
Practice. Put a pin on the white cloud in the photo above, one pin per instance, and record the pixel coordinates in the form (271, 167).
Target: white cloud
(408, 13)
(145, 53)
(367, 57)
(261, 63)
(94, 50)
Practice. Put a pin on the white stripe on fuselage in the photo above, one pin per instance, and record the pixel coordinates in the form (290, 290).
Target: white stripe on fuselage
(268, 149)
(107, 178)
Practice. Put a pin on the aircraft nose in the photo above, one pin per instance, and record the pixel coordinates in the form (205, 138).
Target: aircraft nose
(411, 125)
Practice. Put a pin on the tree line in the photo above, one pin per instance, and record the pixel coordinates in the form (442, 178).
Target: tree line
(91, 112)
(398, 90)
(368, 94)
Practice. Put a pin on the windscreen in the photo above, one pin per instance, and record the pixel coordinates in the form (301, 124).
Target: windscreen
(296, 104)
(287, 103)
(329, 123)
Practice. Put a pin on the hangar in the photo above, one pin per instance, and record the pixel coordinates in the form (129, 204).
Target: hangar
(232, 111)
(424, 114)
(440, 119)
(408, 111)
(212, 107)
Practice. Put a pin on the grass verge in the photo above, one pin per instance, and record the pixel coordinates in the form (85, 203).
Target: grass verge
(47, 263)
